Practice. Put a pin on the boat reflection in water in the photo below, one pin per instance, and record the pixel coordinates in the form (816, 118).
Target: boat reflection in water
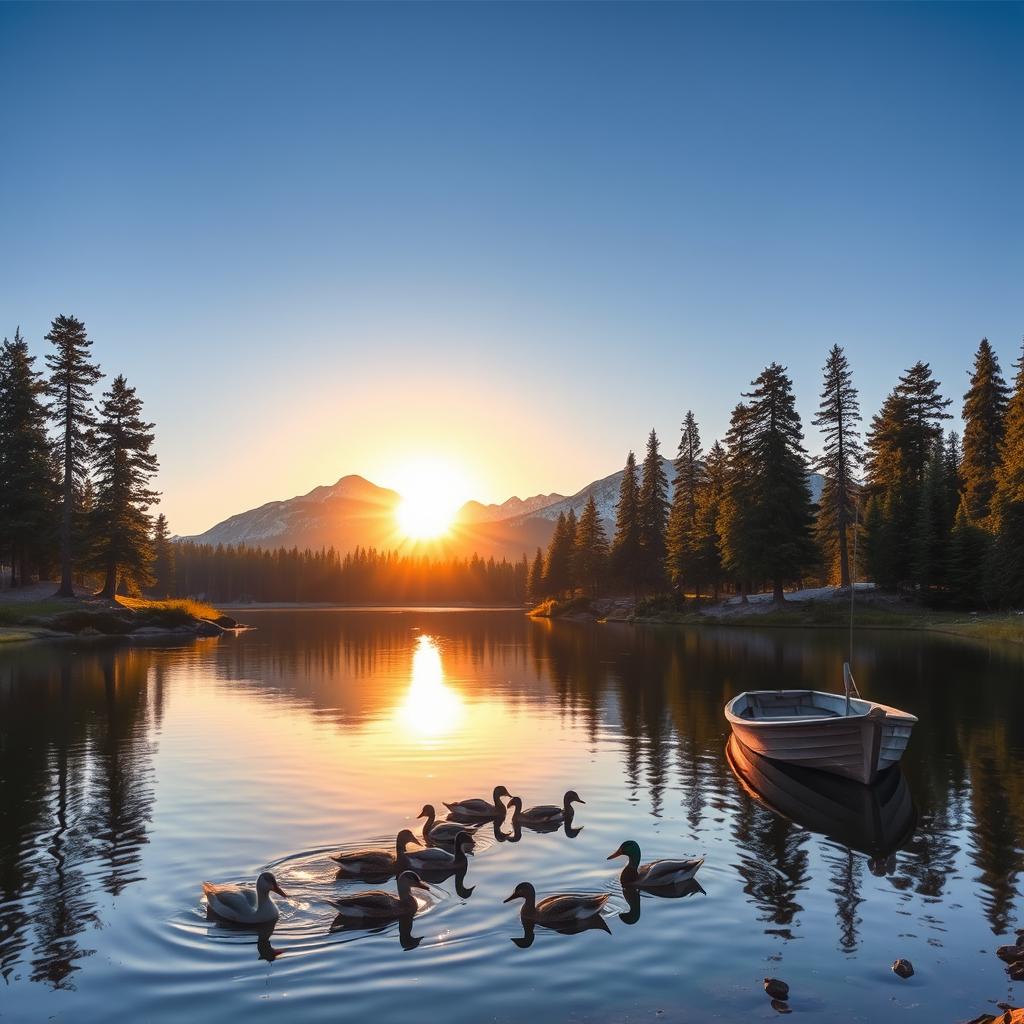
(876, 820)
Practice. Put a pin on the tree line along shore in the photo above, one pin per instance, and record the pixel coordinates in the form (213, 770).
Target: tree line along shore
(917, 509)
(922, 512)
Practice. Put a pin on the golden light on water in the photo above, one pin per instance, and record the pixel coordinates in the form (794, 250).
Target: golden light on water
(431, 709)
(432, 491)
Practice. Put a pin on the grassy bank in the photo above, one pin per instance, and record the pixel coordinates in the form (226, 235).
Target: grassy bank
(869, 613)
(22, 620)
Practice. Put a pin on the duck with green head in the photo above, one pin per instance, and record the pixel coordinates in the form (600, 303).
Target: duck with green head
(656, 872)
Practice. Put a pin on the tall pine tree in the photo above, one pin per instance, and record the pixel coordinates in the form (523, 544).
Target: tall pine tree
(708, 564)
(782, 514)
(984, 425)
(535, 578)
(124, 468)
(27, 488)
(72, 377)
(558, 565)
(626, 545)
(838, 419)
(682, 541)
(1006, 567)
(736, 508)
(652, 509)
(590, 556)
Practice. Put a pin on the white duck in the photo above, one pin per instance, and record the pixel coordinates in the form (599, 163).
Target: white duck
(243, 905)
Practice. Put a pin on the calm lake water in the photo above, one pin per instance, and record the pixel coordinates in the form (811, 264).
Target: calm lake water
(130, 774)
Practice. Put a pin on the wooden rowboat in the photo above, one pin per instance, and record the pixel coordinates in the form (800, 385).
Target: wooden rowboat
(832, 732)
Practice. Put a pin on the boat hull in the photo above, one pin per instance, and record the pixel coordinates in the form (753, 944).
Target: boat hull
(810, 728)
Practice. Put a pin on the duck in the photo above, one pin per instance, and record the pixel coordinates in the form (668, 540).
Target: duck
(440, 832)
(554, 911)
(242, 905)
(477, 808)
(433, 858)
(379, 904)
(375, 862)
(656, 872)
(545, 814)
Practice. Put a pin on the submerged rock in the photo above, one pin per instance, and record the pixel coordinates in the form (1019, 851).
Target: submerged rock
(776, 989)
(1010, 954)
(1016, 971)
(903, 969)
(781, 1006)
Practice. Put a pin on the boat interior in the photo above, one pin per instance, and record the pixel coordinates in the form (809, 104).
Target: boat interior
(763, 705)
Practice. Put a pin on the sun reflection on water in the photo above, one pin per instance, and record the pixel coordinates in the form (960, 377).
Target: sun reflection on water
(430, 709)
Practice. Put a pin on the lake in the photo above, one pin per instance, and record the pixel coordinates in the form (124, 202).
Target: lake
(129, 774)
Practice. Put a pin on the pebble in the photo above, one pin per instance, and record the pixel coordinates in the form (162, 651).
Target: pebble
(903, 969)
(776, 989)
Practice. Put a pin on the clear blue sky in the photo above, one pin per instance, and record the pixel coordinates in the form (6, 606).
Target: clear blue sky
(321, 238)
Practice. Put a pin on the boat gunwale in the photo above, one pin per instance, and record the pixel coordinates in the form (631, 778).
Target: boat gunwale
(891, 713)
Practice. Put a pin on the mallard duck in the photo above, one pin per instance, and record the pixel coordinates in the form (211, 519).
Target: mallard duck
(243, 905)
(433, 858)
(556, 910)
(380, 904)
(374, 863)
(655, 873)
(440, 832)
(545, 814)
(476, 808)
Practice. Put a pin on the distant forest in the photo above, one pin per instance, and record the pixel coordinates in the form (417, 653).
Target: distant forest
(907, 504)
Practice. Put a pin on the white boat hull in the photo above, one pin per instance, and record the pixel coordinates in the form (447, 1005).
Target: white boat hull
(813, 729)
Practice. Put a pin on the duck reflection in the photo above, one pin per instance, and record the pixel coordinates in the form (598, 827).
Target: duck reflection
(876, 820)
(406, 939)
(669, 892)
(589, 924)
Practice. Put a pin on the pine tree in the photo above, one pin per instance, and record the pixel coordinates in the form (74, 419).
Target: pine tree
(1006, 567)
(535, 580)
(838, 418)
(782, 512)
(163, 558)
(1009, 474)
(124, 467)
(681, 539)
(590, 555)
(652, 508)
(925, 411)
(27, 490)
(72, 376)
(736, 508)
(558, 565)
(968, 556)
(708, 561)
(626, 554)
(900, 442)
(984, 425)
(930, 538)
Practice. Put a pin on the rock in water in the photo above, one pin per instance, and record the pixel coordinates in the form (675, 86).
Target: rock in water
(781, 1006)
(1016, 971)
(903, 968)
(1010, 954)
(776, 989)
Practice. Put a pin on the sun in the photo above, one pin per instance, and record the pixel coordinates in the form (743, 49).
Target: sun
(432, 491)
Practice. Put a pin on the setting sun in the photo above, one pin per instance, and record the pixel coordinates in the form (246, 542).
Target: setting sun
(432, 491)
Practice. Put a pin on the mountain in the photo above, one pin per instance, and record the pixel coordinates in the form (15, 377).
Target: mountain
(357, 513)
(351, 513)
(514, 508)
